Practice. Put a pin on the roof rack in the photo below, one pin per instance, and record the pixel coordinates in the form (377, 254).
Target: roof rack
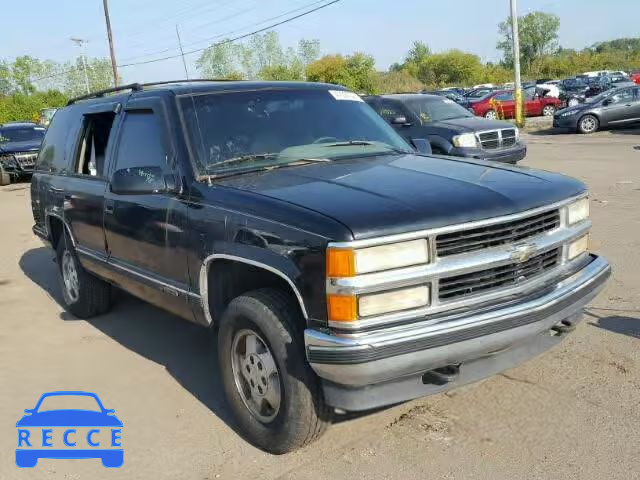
(137, 87)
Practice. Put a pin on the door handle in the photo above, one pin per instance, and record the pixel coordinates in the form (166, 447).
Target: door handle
(56, 189)
(109, 207)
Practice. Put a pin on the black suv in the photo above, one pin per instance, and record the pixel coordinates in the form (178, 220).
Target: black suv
(450, 128)
(19, 145)
(342, 270)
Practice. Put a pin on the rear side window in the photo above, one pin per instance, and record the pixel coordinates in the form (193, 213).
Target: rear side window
(141, 141)
(92, 150)
(52, 156)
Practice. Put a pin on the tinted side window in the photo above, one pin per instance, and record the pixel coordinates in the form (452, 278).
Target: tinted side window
(390, 110)
(623, 96)
(52, 156)
(141, 141)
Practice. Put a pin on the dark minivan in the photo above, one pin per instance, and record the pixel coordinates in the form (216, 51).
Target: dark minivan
(450, 128)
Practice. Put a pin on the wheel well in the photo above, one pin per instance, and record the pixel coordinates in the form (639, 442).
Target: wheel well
(228, 279)
(56, 229)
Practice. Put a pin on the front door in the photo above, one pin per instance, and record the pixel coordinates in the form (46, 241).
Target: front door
(145, 232)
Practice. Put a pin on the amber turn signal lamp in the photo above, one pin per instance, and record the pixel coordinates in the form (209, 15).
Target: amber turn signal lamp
(342, 308)
(340, 262)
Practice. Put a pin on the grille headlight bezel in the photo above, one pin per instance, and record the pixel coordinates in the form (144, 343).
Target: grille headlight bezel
(578, 211)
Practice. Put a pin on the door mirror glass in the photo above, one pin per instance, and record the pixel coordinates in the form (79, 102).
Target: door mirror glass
(422, 145)
(138, 180)
(400, 121)
(607, 101)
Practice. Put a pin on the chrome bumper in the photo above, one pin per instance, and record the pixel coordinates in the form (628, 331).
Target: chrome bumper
(385, 355)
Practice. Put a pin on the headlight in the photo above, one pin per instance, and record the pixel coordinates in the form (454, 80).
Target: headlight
(465, 140)
(578, 247)
(517, 133)
(350, 262)
(578, 211)
(570, 113)
(395, 301)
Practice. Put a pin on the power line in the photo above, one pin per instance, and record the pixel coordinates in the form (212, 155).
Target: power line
(230, 32)
(239, 37)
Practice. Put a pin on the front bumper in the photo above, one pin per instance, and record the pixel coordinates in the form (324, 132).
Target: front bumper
(386, 367)
(506, 155)
(570, 122)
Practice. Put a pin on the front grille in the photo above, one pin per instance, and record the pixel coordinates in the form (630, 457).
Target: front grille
(493, 139)
(26, 160)
(492, 278)
(498, 234)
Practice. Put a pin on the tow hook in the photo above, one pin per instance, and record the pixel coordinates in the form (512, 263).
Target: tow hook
(565, 326)
(442, 375)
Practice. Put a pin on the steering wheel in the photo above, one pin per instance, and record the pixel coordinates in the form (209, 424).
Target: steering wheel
(326, 140)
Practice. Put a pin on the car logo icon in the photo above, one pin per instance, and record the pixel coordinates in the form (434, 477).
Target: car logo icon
(46, 432)
(523, 252)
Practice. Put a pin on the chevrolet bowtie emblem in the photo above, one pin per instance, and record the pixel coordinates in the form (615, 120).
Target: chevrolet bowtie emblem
(522, 253)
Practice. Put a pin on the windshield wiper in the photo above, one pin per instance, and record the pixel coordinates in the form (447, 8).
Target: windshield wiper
(294, 163)
(246, 158)
(364, 143)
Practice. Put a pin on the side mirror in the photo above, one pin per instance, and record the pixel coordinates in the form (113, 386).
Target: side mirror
(138, 180)
(607, 101)
(422, 145)
(400, 121)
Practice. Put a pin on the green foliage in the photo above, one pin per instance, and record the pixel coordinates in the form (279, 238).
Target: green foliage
(538, 37)
(355, 71)
(23, 107)
(261, 57)
(397, 82)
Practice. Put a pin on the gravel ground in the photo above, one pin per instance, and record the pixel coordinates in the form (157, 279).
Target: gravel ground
(571, 413)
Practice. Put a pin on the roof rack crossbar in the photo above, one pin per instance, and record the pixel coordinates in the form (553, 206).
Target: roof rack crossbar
(136, 87)
(102, 93)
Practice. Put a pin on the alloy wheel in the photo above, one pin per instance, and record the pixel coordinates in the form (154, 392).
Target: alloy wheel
(70, 277)
(256, 375)
(588, 124)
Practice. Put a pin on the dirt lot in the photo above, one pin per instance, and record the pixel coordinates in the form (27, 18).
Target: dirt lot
(572, 413)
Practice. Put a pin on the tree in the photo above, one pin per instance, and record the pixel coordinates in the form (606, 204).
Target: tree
(538, 37)
(397, 82)
(261, 57)
(99, 74)
(355, 71)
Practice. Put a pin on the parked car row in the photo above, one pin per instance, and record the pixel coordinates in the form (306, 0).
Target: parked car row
(19, 146)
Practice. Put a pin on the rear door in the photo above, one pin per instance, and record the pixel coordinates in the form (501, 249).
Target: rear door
(86, 180)
(621, 109)
(145, 233)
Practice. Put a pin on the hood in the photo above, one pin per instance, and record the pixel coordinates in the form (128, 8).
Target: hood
(26, 146)
(398, 193)
(472, 124)
(69, 418)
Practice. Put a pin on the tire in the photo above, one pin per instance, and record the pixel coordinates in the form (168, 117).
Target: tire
(301, 416)
(588, 124)
(87, 296)
(548, 111)
(491, 114)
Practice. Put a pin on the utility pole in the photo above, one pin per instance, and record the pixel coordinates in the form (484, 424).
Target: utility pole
(79, 42)
(517, 93)
(114, 66)
(186, 72)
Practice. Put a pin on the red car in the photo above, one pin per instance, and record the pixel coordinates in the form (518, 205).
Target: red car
(500, 104)
(635, 76)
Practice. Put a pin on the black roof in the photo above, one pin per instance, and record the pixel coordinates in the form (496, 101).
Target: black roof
(198, 86)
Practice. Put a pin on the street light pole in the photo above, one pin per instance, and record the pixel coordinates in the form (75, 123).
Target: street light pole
(516, 64)
(79, 42)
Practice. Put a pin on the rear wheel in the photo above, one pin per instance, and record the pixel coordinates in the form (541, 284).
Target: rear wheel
(491, 114)
(588, 124)
(84, 294)
(548, 110)
(273, 392)
(573, 102)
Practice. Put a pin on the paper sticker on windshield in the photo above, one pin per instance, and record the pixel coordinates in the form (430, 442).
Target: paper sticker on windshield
(343, 95)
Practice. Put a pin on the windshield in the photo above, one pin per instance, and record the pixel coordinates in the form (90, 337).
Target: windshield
(26, 134)
(262, 128)
(69, 402)
(574, 83)
(437, 109)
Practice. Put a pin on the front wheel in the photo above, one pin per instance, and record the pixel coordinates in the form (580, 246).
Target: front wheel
(548, 110)
(274, 394)
(491, 115)
(588, 124)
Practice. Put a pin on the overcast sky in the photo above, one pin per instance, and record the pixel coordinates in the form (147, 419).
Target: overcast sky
(145, 29)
